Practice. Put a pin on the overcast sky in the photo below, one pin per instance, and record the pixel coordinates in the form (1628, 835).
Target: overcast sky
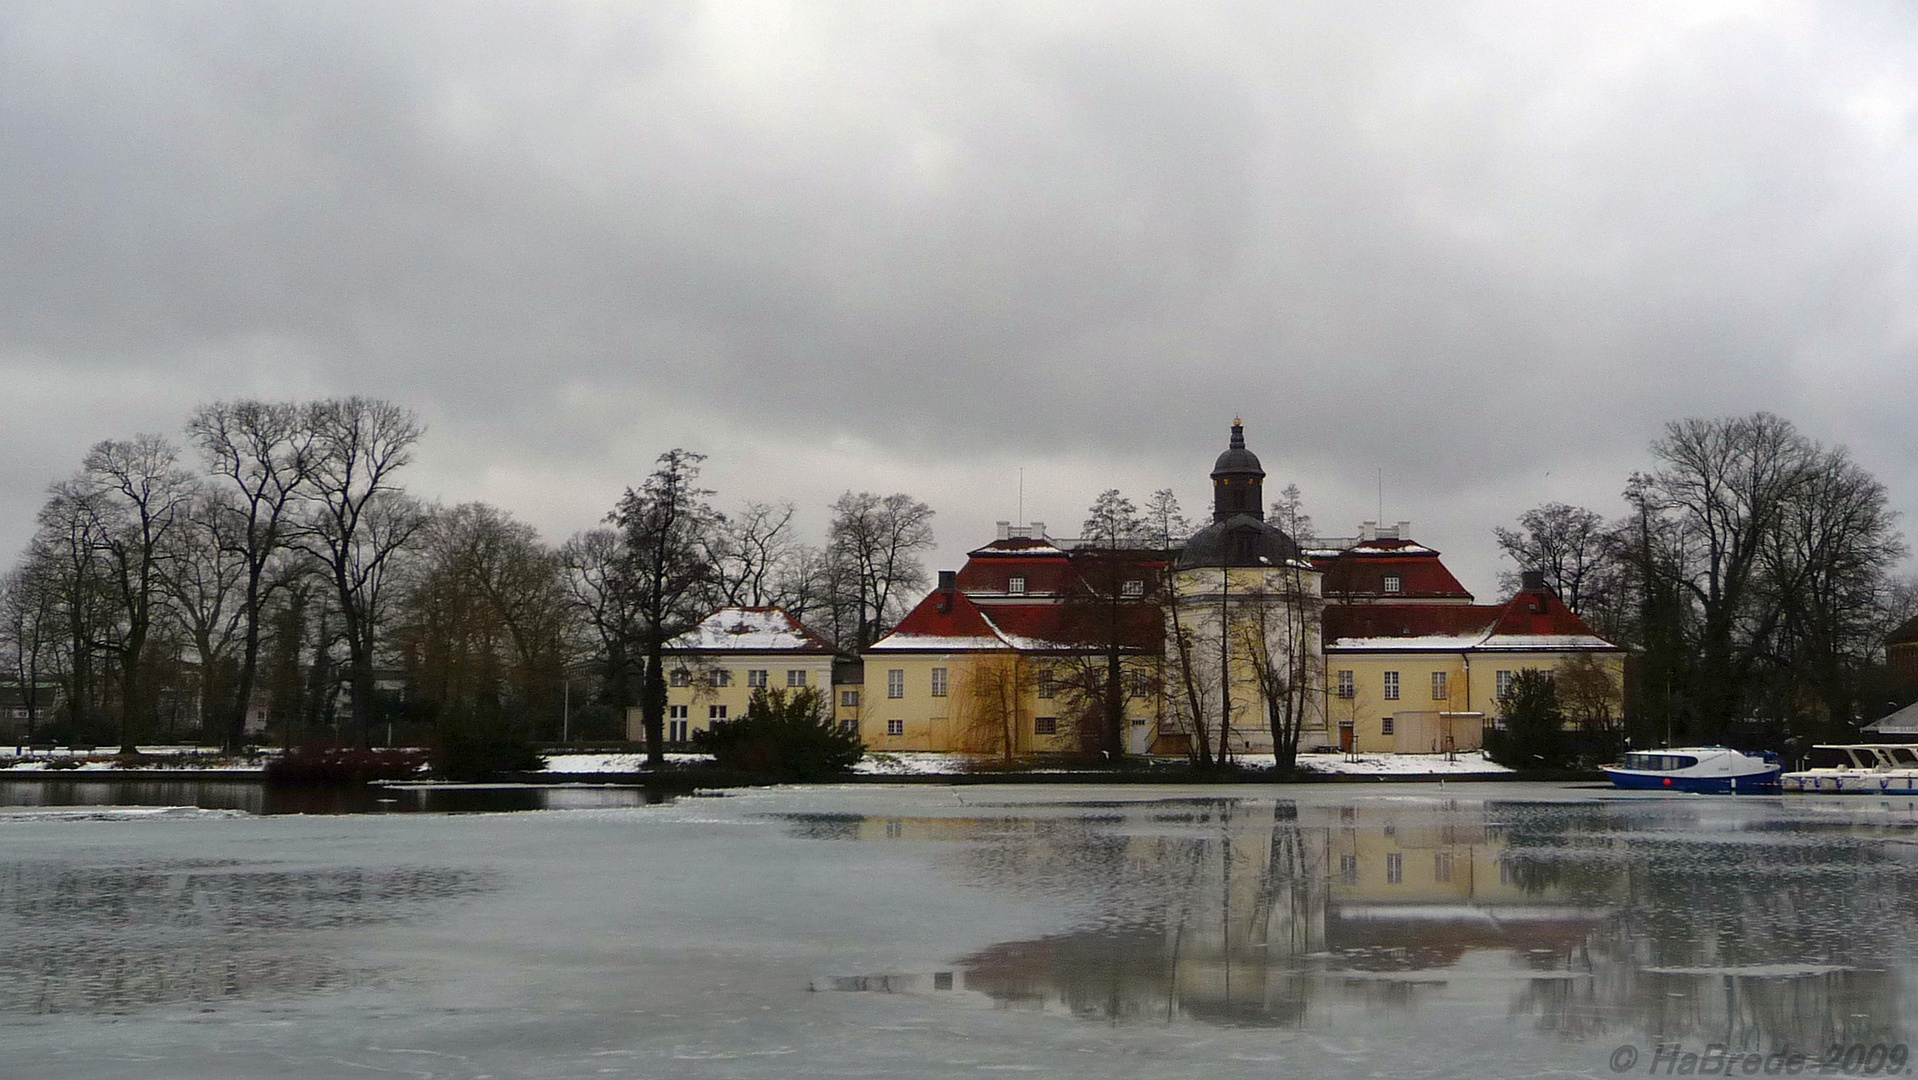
(1487, 249)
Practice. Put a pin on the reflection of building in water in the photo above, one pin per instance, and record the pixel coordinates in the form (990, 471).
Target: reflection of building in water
(1242, 913)
(1624, 919)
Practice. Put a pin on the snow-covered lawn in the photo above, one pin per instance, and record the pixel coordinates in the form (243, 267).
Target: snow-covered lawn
(1468, 761)
(613, 763)
(912, 763)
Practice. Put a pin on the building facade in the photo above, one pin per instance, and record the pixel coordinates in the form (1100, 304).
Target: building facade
(713, 670)
(1366, 644)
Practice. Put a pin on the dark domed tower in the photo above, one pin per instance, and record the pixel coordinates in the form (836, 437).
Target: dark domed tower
(1238, 481)
(1239, 534)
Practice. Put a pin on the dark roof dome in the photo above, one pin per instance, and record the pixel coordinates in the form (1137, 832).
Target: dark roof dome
(1240, 540)
(1237, 460)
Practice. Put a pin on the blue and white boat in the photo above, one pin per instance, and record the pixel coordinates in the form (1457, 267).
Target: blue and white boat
(1697, 769)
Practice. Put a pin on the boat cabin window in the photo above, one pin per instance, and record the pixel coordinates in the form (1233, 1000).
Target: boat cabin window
(1659, 762)
(1903, 756)
(1829, 757)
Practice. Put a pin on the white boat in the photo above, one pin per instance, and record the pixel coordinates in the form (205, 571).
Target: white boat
(1696, 768)
(1857, 769)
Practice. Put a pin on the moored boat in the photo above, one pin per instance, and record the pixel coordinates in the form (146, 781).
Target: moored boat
(1857, 769)
(1697, 769)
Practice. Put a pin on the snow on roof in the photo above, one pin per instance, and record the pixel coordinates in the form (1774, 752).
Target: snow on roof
(933, 643)
(1544, 642)
(749, 629)
(1420, 643)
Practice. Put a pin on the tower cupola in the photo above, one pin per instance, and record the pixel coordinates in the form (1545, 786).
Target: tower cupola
(1238, 481)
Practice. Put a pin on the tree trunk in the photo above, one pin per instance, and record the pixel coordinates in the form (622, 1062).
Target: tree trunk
(652, 705)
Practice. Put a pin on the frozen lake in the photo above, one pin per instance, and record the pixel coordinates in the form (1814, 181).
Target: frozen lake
(1494, 930)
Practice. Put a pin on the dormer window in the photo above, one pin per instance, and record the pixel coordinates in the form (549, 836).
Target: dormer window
(1391, 583)
(1015, 584)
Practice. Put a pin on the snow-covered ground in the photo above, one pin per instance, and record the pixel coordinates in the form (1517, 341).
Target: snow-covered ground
(209, 759)
(1465, 762)
(612, 763)
(206, 758)
(912, 764)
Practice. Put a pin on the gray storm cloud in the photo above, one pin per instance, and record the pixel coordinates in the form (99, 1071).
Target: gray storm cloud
(1486, 249)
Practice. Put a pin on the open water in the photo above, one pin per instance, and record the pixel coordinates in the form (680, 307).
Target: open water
(1497, 930)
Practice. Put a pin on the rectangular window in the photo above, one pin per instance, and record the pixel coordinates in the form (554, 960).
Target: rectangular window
(896, 683)
(715, 712)
(1138, 684)
(1391, 583)
(1438, 687)
(721, 677)
(1394, 868)
(1015, 585)
(1346, 688)
(676, 712)
(1044, 682)
(849, 727)
(938, 682)
(1503, 682)
(1349, 869)
(1045, 725)
(849, 699)
(1442, 866)
(676, 731)
(1132, 588)
(680, 677)
(1385, 725)
(756, 678)
(795, 677)
(1391, 686)
(895, 727)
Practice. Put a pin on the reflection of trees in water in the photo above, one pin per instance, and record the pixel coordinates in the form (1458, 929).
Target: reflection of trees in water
(112, 939)
(1625, 915)
(1752, 945)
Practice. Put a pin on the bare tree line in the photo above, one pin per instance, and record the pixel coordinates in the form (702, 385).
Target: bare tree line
(1752, 574)
(274, 562)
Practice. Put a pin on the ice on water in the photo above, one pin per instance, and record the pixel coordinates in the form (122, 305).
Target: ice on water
(1418, 930)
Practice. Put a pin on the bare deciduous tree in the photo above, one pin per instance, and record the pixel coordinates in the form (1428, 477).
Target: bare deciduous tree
(358, 520)
(874, 543)
(142, 496)
(261, 454)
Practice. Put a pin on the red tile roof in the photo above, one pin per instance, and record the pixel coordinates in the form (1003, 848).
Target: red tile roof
(1530, 620)
(1361, 571)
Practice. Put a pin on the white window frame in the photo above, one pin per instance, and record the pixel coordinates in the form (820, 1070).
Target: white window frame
(756, 678)
(1385, 725)
(795, 677)
(938, 682)
(1132, 588)
(895, 683)
(1391, 681)
(1441, 686)
(1348, 688)
(849, 699)
(715, 712)
(1394, 868)
(1502, 682)
(1016, 584)
(679, 676)
(1392, 583)
(895, 728)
